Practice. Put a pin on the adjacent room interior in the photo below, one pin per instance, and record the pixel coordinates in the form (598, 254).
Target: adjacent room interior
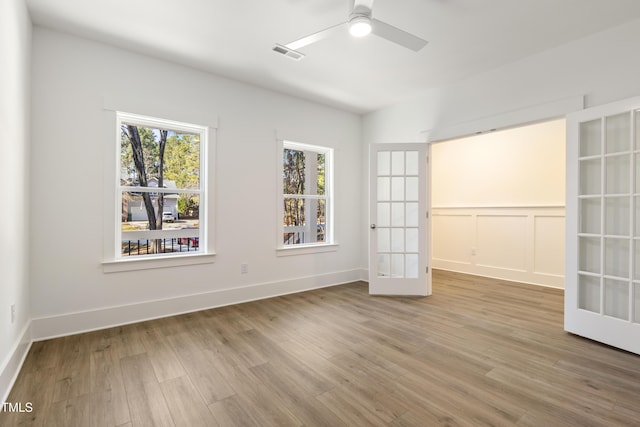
(498, 204)
(191, 235)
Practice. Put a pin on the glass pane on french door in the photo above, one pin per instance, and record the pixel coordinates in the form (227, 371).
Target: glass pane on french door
(397, 202)
(607, 247)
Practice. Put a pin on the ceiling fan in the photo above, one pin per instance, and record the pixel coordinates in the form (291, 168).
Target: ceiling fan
(360, 23)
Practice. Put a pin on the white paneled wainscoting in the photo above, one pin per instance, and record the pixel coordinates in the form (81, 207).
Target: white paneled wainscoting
(518, 243)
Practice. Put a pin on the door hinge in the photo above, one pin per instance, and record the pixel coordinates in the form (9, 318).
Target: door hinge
(427, 214)
(427, 270)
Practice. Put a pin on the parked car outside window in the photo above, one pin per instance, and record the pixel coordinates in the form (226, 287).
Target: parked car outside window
(168, 217)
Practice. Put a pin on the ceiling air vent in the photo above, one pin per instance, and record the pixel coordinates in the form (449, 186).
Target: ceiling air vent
(289, 53)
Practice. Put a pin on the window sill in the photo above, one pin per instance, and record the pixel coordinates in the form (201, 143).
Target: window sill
(306, 249)
(158, 262)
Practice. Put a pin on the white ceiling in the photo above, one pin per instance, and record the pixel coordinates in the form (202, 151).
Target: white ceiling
(234, 38)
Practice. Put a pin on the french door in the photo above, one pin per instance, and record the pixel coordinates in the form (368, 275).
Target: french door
(399, 243)
(602, 291)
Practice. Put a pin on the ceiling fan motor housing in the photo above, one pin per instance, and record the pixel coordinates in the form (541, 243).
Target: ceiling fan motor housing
(360, 21)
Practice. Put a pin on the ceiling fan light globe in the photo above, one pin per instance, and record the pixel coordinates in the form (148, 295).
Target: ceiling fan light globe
(360, 26)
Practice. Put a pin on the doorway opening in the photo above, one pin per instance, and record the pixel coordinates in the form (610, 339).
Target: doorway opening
(498, 204)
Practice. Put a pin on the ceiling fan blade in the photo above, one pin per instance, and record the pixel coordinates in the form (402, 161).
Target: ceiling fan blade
(312, 38)
(396, 35)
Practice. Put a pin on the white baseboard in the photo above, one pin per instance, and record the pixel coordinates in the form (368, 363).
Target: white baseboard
(11, 367)
(79, 322)
(532, 278)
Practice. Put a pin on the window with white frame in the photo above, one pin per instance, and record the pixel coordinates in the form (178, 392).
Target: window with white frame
(306, 202)
(161, 187)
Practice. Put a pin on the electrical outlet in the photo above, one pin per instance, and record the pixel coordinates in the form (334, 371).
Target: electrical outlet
(473, 251)
(13, 313)
(244, 268)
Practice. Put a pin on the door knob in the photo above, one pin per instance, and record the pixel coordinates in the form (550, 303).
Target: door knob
(373, 226)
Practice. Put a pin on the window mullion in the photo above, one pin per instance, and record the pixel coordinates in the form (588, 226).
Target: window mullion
(305, 196)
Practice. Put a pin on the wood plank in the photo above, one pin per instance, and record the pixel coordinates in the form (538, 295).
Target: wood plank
(74, 412)
(342, 402)
(185, 404)
(161, 355)
(106, 381)
(310, 412)
(147, 404)
(200, 365)
(230, 412)
(73, 378)
(263, 406)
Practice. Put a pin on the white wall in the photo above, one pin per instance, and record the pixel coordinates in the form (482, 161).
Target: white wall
(15, 48)
(523, 166)
(498, 204)
(73, 79)
(602, 67)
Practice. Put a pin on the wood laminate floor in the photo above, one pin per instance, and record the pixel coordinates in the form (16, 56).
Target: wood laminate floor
(478, 352)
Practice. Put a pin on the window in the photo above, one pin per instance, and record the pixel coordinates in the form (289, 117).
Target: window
(160, 188)
(306, 195)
